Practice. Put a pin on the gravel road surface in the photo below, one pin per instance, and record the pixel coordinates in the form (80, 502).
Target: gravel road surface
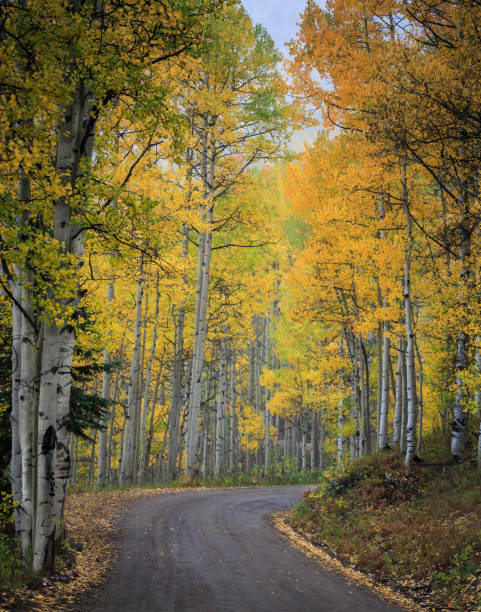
(216, 551)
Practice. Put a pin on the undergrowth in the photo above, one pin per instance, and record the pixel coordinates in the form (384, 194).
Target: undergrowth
(10, 550)
(423, 530)
(281, 472)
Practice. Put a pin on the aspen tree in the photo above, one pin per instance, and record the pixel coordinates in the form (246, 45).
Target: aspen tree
(245, 128)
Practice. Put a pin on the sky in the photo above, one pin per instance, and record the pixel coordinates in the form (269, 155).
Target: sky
(280, 18)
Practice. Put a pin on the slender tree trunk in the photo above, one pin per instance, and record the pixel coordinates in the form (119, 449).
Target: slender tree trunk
(102, 460)
(28, 415)
(233, 417)
(176, 381)
(315, 441)
(379, 380)
(200, 326)
(398, 405)
(364, 444)
(340, 435)
(383, 421)
(16, 449)
(404, 419)
(92, 460)
(128, 456)
(221, 403)
(144, 455)
(420, 403)
(478, 396)
(303, 423)
(322, 439)
(46, 442)
(75, 443)
(410, 356)
(460, 420)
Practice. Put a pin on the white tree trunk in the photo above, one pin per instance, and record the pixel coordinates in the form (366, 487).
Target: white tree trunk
(398, 405)
(383, 420)
(16, 456)
(303, 443)
(75, 142)
(233, 417)
(379, 378)
(200, 330)
(421, 401)
(410, 356)
(102, 452)
(322, 439)
(340, 435)
(144, 458)
(27, 411)
(128, 456)
(176, 380)
(478, 396)
(221, 403)
(46, 442)
(460, 418)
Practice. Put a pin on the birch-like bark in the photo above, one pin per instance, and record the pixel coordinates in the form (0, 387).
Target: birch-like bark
(202, 295)
(340, 435)
(144, 456)
(110, 448)
(398, 404)
(315, 441)
(176, 380)
(383, 420)
(53, 458)
(379, 378)
(193, 464)
(357, 408)
(420, 402)
(478, 397)
(47, 438)
(92, 460)
(364, 400)
(107, 375)
(128, 456)
(16, 449)
(28, 414)
(303, 443)
(460, 418)
(322, 439)
(233, 417)
(220, 416)
(267, 415)
(150, 435)
(75, 142)
(73, 476)
(410, 355)
(404, 418)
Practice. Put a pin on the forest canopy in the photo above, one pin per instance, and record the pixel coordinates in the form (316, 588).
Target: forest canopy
(182, 296)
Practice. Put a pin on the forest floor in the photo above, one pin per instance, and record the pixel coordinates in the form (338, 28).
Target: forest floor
(420, 535)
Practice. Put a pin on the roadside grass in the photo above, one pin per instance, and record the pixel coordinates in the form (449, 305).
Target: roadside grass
(283, 472)
(10, 551)
(422, 530)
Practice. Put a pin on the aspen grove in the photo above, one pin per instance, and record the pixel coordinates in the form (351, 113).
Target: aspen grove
(183, 298)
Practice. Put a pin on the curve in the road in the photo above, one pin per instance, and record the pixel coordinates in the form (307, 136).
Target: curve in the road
(216, 551)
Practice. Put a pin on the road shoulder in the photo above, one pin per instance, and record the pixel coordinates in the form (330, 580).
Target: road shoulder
(304, 544)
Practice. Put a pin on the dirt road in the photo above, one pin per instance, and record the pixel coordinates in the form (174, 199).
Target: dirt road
(216, 551)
